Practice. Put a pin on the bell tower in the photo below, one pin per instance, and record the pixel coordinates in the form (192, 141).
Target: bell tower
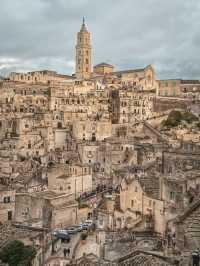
(83, 53)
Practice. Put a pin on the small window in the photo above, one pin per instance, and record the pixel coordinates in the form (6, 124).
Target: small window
(9, 215)
(172, 195)
(6, 199)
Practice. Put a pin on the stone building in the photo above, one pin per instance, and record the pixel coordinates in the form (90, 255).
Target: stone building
(46, 209)
(92, 130)
(44, 76)
(169, 88)
(103, 68)
(71, 179)
(190, 89)
(179, 88)
(141, 204)
(7, 204)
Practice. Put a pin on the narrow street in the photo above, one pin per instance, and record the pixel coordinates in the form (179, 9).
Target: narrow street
(71, 245)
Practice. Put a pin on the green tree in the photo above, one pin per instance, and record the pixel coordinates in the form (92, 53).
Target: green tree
(189, 117)
(175, 115)
(83, 236)
(15, 253)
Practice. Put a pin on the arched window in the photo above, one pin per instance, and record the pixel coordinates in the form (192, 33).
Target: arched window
(93, 137)
(59, 125)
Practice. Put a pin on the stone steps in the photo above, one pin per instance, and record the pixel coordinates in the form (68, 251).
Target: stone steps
(143, 260)
(193, 228)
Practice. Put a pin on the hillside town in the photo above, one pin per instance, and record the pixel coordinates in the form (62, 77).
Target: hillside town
(101, 167)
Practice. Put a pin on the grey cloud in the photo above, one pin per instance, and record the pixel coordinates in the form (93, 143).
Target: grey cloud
(41, 34)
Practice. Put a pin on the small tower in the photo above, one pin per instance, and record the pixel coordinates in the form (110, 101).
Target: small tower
(83, 53)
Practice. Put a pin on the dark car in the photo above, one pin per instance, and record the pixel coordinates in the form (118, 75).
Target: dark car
(74, 229)
(63, 235)
(78, 228)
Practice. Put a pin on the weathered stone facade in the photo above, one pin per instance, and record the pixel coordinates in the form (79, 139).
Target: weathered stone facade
(94, 146)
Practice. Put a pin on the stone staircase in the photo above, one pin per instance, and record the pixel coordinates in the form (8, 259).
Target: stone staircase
(192, 226)
(142, 260)
(139, 258)
(154, 131)
(189, 225)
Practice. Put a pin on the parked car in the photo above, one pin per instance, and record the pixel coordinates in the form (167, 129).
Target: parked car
(88, 224)
(78, 228)
(62, 234)
(74, 229)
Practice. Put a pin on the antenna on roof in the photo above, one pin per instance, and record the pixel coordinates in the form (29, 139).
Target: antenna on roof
(83, 20)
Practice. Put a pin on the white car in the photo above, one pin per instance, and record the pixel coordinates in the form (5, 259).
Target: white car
(61, 231)
(87, 224)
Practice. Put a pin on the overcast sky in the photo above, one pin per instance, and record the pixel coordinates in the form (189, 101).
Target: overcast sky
(41, 34)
